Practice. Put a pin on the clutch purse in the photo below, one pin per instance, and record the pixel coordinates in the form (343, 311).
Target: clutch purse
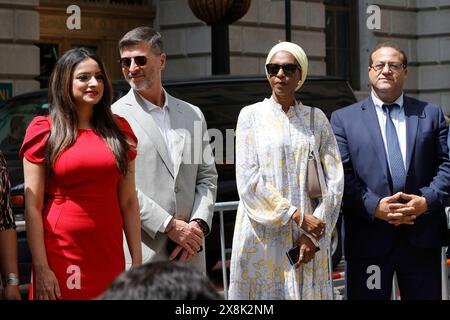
(312, 174)
(313, 183)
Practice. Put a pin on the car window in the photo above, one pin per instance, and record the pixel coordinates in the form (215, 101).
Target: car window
(15, 117)
(221, 102)
(120, 89)
(326, 95)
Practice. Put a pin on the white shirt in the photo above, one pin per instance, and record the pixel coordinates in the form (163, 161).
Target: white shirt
(398, 118)
(162, 120)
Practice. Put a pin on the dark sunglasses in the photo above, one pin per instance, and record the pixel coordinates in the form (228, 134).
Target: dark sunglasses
(288, 69)
(140, 61)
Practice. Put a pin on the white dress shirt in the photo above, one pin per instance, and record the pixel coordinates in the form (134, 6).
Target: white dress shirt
(162, 120)
(398, 118)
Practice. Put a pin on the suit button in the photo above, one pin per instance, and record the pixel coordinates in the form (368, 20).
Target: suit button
(176, 189)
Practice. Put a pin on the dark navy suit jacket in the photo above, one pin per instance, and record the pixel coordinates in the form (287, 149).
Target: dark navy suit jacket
(367, 177)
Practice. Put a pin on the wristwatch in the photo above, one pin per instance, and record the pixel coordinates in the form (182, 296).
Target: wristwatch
(12, 279)
(203, 225)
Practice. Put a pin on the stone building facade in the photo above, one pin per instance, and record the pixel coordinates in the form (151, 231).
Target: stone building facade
(188, 40)
(335, 34)
(34, 33)
(19, 57)
(421, 27)
(102, 24)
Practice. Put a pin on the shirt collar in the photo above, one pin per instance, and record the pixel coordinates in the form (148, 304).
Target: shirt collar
(278, 106)
(151, 107)
(379, 104)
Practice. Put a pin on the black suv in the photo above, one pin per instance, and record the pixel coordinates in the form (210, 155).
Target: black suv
(219, 98)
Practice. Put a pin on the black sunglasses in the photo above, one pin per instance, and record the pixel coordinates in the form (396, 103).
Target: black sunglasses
(140, 61)
(288, 69)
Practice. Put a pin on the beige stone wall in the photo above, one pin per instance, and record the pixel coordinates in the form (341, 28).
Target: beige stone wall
(19, 29)
(433, 52)
(102, 26)
(188, 40)
(422, 29)
(252, 37)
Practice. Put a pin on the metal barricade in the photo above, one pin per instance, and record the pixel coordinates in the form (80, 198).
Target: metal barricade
(222, 207)
(394, 294)
(330, 270)
(444, 273)
(444, 278)
(231, 206)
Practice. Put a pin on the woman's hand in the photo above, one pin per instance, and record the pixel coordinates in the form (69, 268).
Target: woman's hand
(47, 287)
(307, 250)
(313, 226)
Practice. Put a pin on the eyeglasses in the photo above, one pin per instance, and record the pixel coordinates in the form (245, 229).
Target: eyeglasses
(391, 65)
(288, 69)
(140, 61)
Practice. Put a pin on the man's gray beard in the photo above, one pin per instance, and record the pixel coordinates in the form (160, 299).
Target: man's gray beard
(142, 85)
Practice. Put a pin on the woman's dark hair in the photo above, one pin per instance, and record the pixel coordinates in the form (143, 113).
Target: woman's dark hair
(64, 118)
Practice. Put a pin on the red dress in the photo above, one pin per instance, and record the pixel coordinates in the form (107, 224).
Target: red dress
(82, 219)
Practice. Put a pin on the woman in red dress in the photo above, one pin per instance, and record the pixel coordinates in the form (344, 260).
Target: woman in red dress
(79, 184)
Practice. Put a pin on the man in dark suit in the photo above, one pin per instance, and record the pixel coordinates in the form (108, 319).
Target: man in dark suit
(397, 181)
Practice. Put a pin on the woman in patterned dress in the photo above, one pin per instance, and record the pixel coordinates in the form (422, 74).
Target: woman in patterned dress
(8, 239)
(275, 213)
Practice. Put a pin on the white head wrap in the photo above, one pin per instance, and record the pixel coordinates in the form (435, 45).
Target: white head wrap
(298, 54)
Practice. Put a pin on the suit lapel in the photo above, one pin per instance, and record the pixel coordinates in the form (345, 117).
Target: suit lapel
(412, 120)
(148, 125)
(371, 123)
(177, 122)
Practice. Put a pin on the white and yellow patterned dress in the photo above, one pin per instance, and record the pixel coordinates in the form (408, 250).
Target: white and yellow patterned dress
(271, 160)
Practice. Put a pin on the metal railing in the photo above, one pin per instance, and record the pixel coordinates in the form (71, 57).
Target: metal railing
(231, 207)
(222, 207)
(444, 278)
(444, 272)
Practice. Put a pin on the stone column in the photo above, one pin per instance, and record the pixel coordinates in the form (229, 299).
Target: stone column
(19, 29)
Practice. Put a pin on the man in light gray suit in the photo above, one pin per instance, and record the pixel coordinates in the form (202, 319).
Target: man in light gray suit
(175, 171)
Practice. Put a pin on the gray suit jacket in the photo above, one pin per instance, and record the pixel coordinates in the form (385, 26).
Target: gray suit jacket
(186, 188)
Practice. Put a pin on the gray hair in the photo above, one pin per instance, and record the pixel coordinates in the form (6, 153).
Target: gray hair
(140, 35)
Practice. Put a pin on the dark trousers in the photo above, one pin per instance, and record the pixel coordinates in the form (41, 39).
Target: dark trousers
(418, 274)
